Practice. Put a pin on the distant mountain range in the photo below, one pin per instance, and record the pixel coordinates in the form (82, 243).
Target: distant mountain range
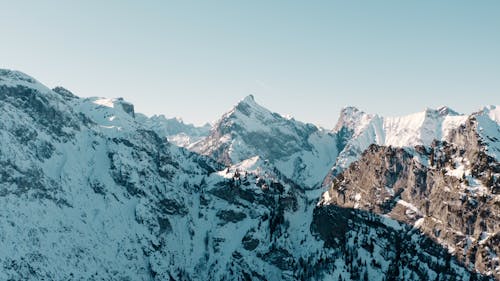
(92, 190)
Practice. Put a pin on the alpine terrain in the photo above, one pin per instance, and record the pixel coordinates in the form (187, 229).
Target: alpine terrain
(92, 190)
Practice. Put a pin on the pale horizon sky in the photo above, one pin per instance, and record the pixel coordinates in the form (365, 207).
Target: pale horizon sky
(195, 59)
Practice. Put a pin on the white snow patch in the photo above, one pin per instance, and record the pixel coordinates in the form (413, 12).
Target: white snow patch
(409, 206)
(458, 172)
(357, 197)
(105, 102)
(419, 222)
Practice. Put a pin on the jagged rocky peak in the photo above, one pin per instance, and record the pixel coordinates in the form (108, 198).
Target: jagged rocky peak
(445, 110)
(440, 112)
(492, 111)
(175, 129)
(246, 116)
(22, 96)
(175, 125)
(244, 105)
(356, 130)
(14, 75)
(249, 108)
(248, 99)
(65, 93)
(126, 106)
(350, 118)
(15, 79)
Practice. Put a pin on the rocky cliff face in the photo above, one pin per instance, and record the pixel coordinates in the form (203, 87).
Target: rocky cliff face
(87, 191)
(448, 190)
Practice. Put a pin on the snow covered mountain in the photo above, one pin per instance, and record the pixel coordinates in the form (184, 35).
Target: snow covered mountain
(89, 190)
(449, 190)
(176, 131)
(298, 151)
(357, 130)
(85, 190)
(436, 170)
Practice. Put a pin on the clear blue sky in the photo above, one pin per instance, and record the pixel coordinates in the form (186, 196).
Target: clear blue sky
(195, 59)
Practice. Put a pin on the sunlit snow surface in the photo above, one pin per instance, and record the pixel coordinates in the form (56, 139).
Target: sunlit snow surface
(409, 131)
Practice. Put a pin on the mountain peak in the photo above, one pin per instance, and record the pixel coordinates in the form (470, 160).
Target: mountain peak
(445, 110)
(349, 109)
(441, 111)
(349, 117)
(492, 111)
(249, 98)
(248, 101)
(14, 75)
(247, 106)
(65, 93)
(14, 78)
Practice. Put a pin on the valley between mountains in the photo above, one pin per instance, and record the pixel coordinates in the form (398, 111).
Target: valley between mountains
(92, 190)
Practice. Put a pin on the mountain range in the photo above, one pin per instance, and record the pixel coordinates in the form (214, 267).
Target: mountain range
(92, 190)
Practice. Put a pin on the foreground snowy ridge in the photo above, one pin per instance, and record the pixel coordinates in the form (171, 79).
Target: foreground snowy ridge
(92, 190)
